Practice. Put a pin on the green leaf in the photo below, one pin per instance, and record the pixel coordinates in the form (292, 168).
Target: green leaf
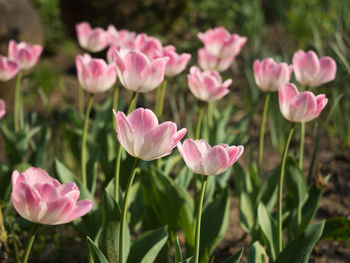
(268, 191)
(299, 250)
(337, 228)
(215, 218)
(269, 229)
(178, 254)
(172, 205)
(108, 238)
(95, 252)
(257, 254)
(234, 258)
(146, 247)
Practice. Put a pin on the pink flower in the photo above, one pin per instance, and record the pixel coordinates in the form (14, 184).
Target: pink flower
(300, 106)
(136, 72)
(203, 159)
(142, 137)
(93, 40)
(122, 38)
(8, 69)
(176, 63)
(42, 199)
(311, 71)
(94, 74)
(208, 61)
(207, 85)
(221, 43)
(269, 75)
(2, 108)
(24, 54)
(150, 46)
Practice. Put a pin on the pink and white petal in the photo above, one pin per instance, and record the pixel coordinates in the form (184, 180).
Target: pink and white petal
(125, 132)
(153, 75)
(58, 211)
(81, 208)
(234, 153)
(70, 190)
(215, 161)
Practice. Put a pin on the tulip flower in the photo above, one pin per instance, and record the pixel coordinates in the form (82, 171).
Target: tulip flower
(8, 69)
(2, 108)
(203, 159)
(150, 46)
(269, 75)
(208, 61)
(300, 106)
(142, 137)
(136, 72)
(122, 38)
(176, 63)
(207, 85)
(42, 199)
(221, 43)
(312, 71)
(24, 54)
(93, 40)
(94, 75)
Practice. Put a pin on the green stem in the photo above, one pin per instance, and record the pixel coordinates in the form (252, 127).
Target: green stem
(132, 106)
(262, 130)
(115, 97)
(83, 144)
(198, 222)
(133, 101)
(81, 101)
(199, 123)
(134, 171)
(280, 189)
(160, 99)
(302, 141)
(210, 114)
(30, 244)
(17, 100)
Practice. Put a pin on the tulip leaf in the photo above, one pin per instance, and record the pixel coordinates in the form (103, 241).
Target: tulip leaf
(178, 254)
(299, 250)
(214, 224)
(269, 229)
(108, 238)
(172, 205)
(95, 252)
(187, 260)
(268, 191)
(337, 228)
(234, 258)
(257, 254)
(146, 247)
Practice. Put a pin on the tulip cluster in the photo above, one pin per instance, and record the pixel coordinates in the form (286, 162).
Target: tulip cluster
(142, 64)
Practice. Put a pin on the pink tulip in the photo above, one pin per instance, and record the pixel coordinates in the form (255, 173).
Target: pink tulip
(136, 72)
(2, 108)
(207, 85)
(24, 54)
(176, 63)
(142, 137)
(208, 61)
(94, 74)
(8, 69)
(93, 40)
(269, 75)
(221, 43)
(42, 199)
(122, 38)
(300, 106)
(203, 159)
(150, 46)
(311, 71)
